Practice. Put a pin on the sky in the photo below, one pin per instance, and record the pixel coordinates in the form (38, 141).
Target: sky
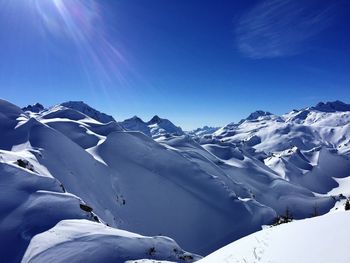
(195, 62)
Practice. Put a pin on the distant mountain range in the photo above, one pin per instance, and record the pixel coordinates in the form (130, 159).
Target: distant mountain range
(71, 174)
(155, 128)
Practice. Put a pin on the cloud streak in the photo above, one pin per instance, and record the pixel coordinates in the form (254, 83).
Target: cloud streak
(279, 28)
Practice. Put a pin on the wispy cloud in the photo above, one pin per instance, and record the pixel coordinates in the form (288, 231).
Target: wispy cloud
(278, 28)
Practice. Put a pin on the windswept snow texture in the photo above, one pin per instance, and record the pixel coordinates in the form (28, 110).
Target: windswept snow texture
(70, 163)
(323, 239)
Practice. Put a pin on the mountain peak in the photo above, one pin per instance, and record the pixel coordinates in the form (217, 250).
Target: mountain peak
(87, 110)
(154, 128)
(136, 118)
(36, 108)
(155, 119)
(332, 106)
(259, 113)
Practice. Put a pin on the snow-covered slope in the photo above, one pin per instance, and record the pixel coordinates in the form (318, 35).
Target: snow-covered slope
(87, 110)
(33, 204)
(202, 131)
(323, 239)
(129, 180)
(30, 204)
(136, 124)
(40, 169)
(316, 169)
(155, 128)
(326, 124)
(86, 241)
(203, 190)
(161, 185)
(308, 147)
(268, 133)
(247, 176)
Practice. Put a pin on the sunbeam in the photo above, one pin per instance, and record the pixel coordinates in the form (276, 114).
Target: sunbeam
(77, 19)
(82, 26)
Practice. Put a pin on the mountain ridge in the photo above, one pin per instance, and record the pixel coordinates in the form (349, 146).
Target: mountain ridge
(238, 177)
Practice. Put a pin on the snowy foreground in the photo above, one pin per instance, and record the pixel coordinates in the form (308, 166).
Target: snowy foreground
(325, 239)
(76, 185)
(85, 241)
(310, 240)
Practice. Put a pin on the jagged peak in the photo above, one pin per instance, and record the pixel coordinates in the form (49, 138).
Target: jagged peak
(36, 108)
(156, 119)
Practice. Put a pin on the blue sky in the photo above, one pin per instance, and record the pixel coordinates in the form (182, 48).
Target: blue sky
(194, 62)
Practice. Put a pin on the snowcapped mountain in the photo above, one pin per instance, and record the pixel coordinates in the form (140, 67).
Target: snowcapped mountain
(326, 124)
(41, 168)
(87, 110)
(257, 115)
(129, 180)
(332, 106)
(71, 174)
(308, 147)
(155, 128)
(202, 131)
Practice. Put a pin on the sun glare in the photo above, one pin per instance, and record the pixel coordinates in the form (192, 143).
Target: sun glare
(76, 18)
(81, 23)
